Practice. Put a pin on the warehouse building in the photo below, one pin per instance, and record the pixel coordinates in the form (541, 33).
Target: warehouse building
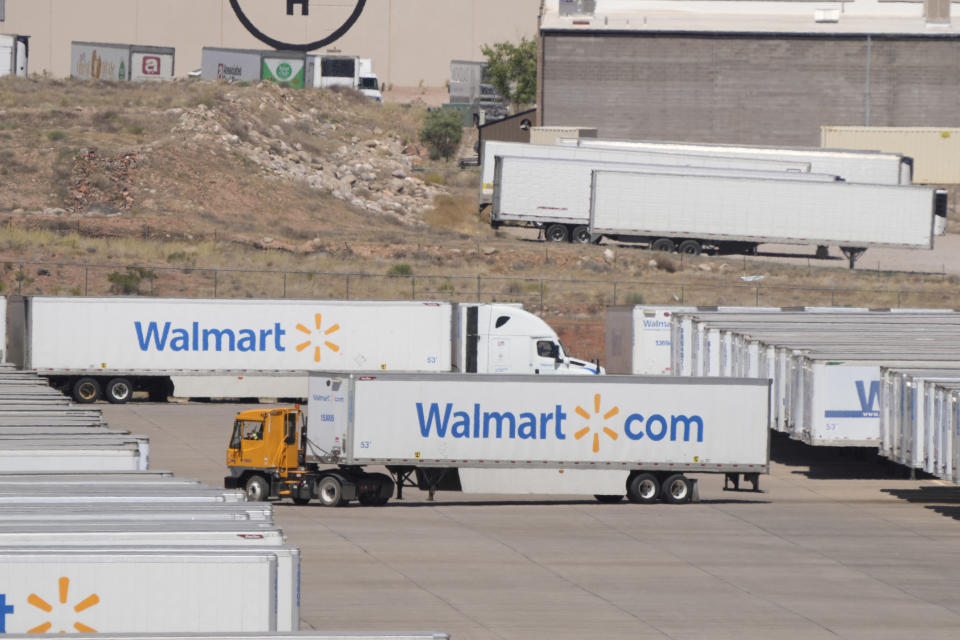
(411, 42)
(758, 72)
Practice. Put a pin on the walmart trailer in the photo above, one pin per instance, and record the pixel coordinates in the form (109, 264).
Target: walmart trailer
(603, 436)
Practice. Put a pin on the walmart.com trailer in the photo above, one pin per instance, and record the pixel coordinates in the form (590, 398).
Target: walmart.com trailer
(606, 436)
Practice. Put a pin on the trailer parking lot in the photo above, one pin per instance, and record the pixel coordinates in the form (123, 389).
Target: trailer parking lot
(836, 547)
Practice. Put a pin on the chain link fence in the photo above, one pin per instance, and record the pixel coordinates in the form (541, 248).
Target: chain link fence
(80, 279)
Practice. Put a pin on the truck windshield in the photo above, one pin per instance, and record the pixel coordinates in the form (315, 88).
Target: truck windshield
(369, 83)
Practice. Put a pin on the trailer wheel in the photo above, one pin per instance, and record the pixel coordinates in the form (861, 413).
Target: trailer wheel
(663, 244)
(330, 491)
(86, 390)
(119, 391)
(256, 488)
(676, 489)
(608, 499)
(690, 247)
(556, 233)
(643, 488)
(581, 235)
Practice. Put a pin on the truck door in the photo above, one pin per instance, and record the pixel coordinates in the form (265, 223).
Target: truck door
(249, 435)
(546, 356)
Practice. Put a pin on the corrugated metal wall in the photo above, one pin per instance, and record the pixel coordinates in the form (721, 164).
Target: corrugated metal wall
(757, 89)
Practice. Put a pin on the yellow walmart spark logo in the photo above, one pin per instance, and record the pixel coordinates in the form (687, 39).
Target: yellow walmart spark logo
(43, 605)
(605, 429)
(319, 338)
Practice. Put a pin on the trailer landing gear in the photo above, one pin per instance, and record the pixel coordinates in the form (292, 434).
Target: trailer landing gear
(853, 254)
(731, 481)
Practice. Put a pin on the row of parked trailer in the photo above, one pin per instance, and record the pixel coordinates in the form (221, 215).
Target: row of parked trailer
(883, 379)
(92, 541)
(692, 197)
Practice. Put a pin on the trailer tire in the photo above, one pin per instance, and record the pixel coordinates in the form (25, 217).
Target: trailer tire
(581, 235)
(330, 491)
(608, 499)
(663, 244)
(555, 233)
(86, 390)
(690, 247)
(381, 494)
(256, 488)
(677, 489)
(643, 488)
(119, 391)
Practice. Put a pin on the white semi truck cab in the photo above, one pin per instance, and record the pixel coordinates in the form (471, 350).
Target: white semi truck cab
(502, 338)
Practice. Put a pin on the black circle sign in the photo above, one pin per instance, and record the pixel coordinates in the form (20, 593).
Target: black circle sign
(289, 46)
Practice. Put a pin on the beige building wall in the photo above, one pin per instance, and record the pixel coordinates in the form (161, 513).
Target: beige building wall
(411, 42)
(935, 150)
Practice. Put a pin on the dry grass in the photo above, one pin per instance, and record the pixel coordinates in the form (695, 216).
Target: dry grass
(202, 215)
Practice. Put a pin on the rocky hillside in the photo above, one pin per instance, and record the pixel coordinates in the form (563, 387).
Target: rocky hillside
(193, 158)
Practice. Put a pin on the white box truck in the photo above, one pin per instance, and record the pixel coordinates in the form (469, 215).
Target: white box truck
(553, 194)
(326, 70)
(604, 436)
(14, 54)
(690, 212)
(265, 348)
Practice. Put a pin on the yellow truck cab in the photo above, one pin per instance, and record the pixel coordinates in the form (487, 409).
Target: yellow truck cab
(266, 456)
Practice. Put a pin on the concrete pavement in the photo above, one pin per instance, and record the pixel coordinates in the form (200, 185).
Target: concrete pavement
(837, 546)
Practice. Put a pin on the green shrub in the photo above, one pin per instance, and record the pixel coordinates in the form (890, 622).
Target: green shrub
(441, 132)
(128, 282)
(400, 270)
(55, 135)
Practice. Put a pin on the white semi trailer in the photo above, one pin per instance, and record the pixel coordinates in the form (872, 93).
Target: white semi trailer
(147, 589)
(607, 436)
(266, 348)
(869, 167)
(689, 212)
(554, 194)
(493, 149)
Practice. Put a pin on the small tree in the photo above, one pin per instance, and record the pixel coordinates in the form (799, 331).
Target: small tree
(441, 132)
(512, 70)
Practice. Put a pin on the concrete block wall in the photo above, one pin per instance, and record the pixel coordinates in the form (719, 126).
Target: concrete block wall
(745, 88)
